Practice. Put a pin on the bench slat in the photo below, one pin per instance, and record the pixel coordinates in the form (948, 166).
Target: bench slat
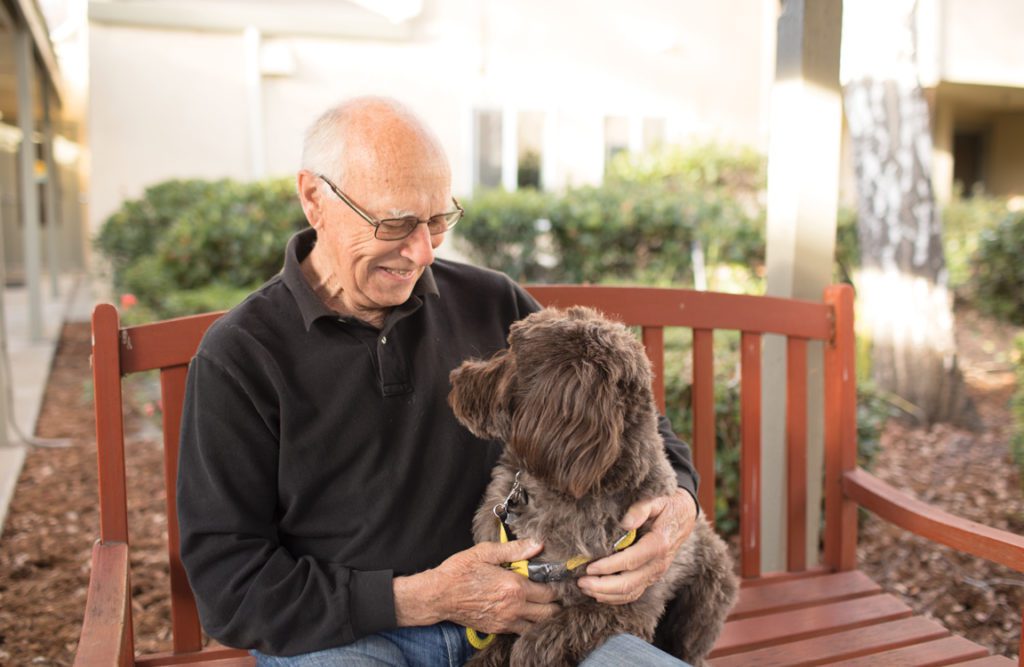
(789, 595)
(796, 455)
(762, 631)
(867, 641)
(185, 628)
(703, 400)
(750, 454)
(945, 651)
(672, 307)
(654, 345)
(989, 661)
(211, 656)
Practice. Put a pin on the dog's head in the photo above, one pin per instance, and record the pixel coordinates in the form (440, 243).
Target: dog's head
(560, 397)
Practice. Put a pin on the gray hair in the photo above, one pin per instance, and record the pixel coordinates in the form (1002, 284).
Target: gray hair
(323, 150)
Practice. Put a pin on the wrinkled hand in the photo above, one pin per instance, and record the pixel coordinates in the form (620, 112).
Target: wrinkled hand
(624, 576)
(472, 588)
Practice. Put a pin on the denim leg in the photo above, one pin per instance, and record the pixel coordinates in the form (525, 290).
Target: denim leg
(630, 650)
(441, 645)
(372, 651)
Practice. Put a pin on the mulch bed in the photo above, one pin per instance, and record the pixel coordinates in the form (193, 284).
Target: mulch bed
(53, 519)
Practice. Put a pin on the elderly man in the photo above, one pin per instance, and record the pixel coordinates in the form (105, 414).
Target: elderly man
(326, 492)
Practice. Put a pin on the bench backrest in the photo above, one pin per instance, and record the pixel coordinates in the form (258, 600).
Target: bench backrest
(169, 346)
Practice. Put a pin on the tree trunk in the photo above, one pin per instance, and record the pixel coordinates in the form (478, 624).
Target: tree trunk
(905, 307)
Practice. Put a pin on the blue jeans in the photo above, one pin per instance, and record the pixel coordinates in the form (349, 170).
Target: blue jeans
(445, 644)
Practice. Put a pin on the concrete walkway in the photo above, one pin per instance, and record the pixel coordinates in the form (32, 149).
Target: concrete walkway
(30, 365)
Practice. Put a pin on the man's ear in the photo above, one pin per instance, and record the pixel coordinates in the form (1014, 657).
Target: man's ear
(480, 396)
(311, 197)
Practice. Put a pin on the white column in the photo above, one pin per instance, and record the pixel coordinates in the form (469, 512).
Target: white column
(23, 57)
(803, 188)
(53, 221)
(942, 158)
(509, 148)
(550, 173)
(636, 134)
(5, 380)
(254, 104)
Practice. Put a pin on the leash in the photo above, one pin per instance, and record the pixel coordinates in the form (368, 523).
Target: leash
(541, 572)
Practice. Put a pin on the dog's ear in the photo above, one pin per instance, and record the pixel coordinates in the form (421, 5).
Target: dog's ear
(567, 429)
(480, 396)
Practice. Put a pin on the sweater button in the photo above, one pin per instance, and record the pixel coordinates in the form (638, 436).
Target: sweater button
(383, 340)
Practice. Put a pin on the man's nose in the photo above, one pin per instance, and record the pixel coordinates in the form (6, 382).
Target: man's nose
(419, 246)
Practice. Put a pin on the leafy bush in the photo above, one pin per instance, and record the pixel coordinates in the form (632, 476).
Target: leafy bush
(641, 225)
(964, 221)
(997, 270)
(191, 246)
(501, 230)
(1017, 410)
(133, 230)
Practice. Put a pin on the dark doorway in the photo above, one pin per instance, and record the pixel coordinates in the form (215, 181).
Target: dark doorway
(968, 161)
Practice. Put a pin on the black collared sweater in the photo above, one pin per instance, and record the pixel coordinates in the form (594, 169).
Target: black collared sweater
(319, 458)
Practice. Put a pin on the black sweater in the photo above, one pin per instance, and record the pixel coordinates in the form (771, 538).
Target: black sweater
(319, 458)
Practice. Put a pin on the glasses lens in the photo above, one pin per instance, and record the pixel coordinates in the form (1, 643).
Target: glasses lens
(393, 229)
(439, 224)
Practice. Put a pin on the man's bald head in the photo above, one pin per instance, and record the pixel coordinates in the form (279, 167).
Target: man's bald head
(373, 135)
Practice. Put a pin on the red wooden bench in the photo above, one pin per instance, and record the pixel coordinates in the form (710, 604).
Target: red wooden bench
(808, 614)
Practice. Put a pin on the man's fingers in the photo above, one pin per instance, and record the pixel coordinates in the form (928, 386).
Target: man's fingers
(650, 547)
(494, 552)
(539, 593)
(619, 588)
(641, 511)
(539, 612)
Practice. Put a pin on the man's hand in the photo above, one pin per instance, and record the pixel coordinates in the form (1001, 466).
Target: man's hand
(472, 588)
(623, 577)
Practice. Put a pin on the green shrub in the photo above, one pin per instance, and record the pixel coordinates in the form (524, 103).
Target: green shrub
(236, 238)
(997, 270)
(640, 226)
(847, 245)
(133, 230)
(709, 165)
(190, 246)
(964, 221)
(503, 230)
(1017, 410)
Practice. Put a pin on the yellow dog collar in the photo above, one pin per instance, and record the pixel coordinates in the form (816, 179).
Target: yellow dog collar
(541, 572)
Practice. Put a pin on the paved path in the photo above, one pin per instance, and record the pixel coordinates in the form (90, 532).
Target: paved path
(30, 365)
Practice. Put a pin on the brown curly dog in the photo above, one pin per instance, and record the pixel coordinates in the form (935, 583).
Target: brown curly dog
(571, 399)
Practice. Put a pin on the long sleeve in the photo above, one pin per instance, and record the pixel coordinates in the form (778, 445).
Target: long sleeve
(251, 592)
(680, 458)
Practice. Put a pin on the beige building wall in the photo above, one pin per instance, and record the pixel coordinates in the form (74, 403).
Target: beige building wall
(167, 102)
(1005, 164)
(162, 104)
(980, 41)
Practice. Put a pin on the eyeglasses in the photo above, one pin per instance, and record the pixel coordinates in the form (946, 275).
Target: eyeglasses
(396, 229)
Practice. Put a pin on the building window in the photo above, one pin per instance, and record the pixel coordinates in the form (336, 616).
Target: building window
(968, 162)
(654, 133)
(530, 144)
(616, 136)
(487, 142)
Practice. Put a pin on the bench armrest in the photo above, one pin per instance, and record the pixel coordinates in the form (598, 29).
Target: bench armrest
(106, 628)
(920, 518)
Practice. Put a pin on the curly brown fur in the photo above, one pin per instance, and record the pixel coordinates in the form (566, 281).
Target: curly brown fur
(572, 400)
